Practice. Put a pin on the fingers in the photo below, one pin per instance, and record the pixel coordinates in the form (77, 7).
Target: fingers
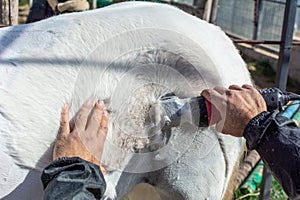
(104, 123)
(206, 94)
(96, 117)
(214, 97)
(235, 87)
(245, 86)
(102, 133)
(211, 94)
(103, 170)
(220, 90)
(64, 128)
(82, 116)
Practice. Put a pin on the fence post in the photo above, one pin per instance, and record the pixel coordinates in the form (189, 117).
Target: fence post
(208, 10)
(94, 4)
(214, 12)
(9, 12)
(286, 43)
(257, 11)
(266, 185)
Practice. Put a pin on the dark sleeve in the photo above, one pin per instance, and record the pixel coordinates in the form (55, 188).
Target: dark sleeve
(277, 140)
(73, 178)
(39, 10)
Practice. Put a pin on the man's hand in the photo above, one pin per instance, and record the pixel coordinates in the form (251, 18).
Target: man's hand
(84, 138)
(236, 105)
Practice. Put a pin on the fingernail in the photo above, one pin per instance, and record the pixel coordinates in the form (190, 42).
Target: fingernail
(105, 113)
(65, 106)
(89, 102)
(100, 103)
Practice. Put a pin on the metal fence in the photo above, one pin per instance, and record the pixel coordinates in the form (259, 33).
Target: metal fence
(254, 19)
(236, 17)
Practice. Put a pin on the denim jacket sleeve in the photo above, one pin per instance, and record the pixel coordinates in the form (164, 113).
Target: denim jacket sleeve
(277, 140)
(73, 178)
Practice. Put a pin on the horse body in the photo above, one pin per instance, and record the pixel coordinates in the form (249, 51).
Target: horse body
(128, 54)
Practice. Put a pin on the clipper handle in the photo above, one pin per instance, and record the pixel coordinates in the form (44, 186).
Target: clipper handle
(201, 111)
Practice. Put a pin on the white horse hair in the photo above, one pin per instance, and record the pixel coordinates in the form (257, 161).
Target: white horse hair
(129, 54)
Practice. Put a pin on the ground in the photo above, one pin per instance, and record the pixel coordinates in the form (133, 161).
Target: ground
(264, 76)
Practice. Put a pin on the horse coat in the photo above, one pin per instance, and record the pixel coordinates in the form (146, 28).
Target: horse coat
(129, 54)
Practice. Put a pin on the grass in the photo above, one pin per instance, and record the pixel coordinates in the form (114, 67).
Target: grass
(23, 3)
(262, 69)
(264, 76)
(277, 193)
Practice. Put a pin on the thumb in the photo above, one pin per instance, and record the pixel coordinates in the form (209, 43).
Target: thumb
(215, 115)
(220, 125)
(213, 111)
(64, 128)
(206, 94)
(103, 170)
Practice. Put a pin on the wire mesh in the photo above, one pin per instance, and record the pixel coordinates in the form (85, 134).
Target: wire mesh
(270, 21)
(237, 18)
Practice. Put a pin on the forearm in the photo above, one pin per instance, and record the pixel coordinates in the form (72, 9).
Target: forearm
(67, 178)
(277, 140)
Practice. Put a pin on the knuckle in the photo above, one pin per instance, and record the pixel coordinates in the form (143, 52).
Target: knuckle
(80, 116)
(96, 117)
(247, 85)
(60, 137)
(229, 92)
(210, 92)
(84, 109)
(64, 112)
(98, 107)
(104, 128)
(61, 133)
(63, 122)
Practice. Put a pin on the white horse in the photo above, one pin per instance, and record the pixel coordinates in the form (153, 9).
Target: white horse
(129, 54)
